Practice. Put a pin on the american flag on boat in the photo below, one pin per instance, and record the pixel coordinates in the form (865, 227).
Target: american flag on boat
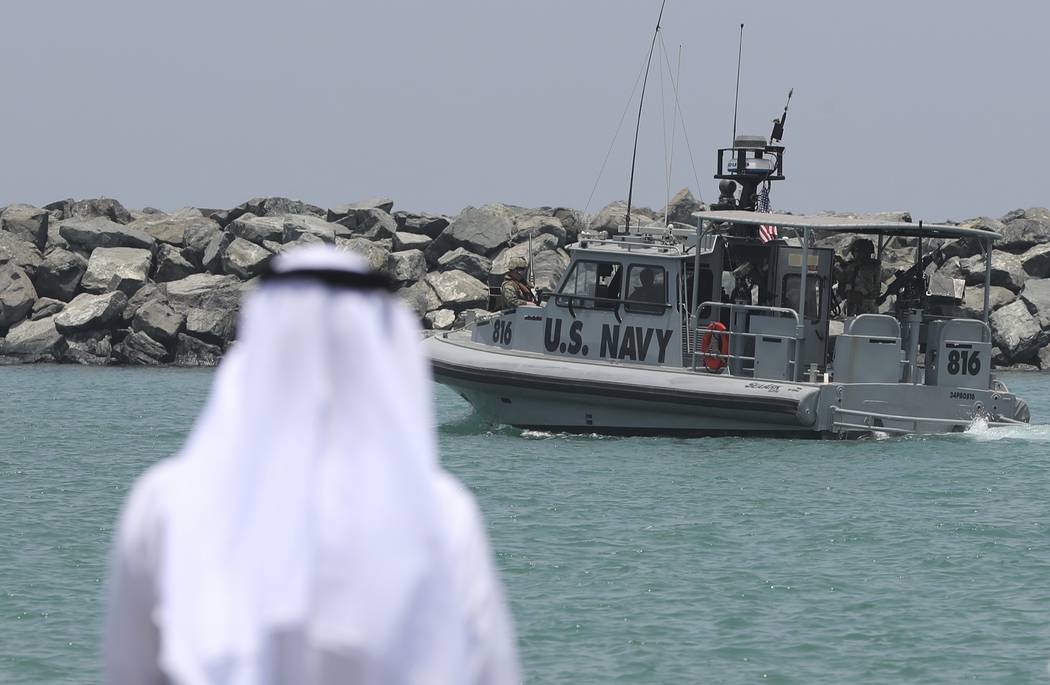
(767, 233)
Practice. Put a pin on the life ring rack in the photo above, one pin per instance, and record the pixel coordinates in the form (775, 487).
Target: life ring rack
(714, 361)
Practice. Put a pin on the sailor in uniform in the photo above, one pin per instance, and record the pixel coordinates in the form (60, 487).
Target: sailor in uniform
(306, 532)
(648, 290)
(516, 289)
(859, 279)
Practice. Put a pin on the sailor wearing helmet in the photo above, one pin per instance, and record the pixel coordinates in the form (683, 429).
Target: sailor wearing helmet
(516, 289)
(859, 279)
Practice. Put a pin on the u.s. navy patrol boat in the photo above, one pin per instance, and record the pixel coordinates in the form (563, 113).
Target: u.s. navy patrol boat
(670, 330)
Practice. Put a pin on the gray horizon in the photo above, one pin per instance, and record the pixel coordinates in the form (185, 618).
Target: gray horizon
(439, 106)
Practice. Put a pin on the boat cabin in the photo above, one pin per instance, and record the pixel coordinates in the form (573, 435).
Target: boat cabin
(727, 298)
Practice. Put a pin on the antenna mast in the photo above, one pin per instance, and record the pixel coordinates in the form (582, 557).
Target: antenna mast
(638, 124)
(736, 98)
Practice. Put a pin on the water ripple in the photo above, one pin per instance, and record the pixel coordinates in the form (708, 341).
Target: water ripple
(914, 559)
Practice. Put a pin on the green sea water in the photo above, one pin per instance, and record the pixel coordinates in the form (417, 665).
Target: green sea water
(628, 560)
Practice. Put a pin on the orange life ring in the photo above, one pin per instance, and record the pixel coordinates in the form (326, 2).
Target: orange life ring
(713, 360)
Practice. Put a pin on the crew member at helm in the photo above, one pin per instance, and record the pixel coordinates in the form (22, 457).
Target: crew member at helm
(859, 279)
(516, 289)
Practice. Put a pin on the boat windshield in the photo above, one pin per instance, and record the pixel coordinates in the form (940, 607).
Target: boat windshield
(592, 284)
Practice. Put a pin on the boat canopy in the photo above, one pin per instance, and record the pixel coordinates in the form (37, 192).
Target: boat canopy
(848, 225)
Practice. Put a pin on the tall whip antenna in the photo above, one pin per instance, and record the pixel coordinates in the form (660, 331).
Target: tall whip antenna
(736, 99)
(638, 124)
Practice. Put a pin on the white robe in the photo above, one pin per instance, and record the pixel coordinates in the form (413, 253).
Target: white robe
(306, 532)
(132, 641)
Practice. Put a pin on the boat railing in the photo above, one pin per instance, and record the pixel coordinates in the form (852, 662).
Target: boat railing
(736, 361)
(648, 242)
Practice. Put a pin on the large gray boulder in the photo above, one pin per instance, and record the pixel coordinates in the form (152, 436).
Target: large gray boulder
(195, 240)
(968, 247)
(613, 217)
(170, 264)
(1015, 331)
(406, 267)
(140, 349)
(430, 225)
(537, 225)
(540, 244)
(457, 290)
(548, 267)
(305, 224)
(35, 340)
(973, 300)
(681, 207)
(88, 312)
(369, 223)
(142, 296)
(1024, 229)
(481, 230)
(23, 254)
(188, 212)
(204, 291)
(304, 239)
(1007, 271)
(117, 268)
(256, 229)
(951, 268)
(467, 262)
(278, 206)
(159, 321)
(245, 259)
(410, 241)
(172, 228)
(54, 239)
(17, 295)
(58, 209)
(338, 212)
(26, 222)
(374, 253)
(190, 351)
(59, 275)
(211, 259)
(45, 307)
(573, 220)
(105, 207)
(420, 297)
(1036, 295)
(215, 326)
(1036, 261)
(92, 348)
(87, 234)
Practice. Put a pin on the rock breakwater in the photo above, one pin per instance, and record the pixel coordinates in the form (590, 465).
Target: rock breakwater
(92, 282)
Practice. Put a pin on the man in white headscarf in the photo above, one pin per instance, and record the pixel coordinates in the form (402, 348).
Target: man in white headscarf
(306, 532)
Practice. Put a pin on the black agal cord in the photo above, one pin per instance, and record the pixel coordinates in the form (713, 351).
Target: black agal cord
(334, 278)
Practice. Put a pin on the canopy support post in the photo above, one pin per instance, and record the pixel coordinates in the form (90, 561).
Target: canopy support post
(987, 276)
(800, 329)
(696, 271)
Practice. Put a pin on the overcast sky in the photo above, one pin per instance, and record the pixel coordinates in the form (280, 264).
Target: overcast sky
(935, 107)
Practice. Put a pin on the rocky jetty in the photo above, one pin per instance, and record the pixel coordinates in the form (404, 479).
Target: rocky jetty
(92, 282)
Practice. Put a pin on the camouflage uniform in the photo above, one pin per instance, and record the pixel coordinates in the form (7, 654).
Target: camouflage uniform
(861, 281)
(514, 293)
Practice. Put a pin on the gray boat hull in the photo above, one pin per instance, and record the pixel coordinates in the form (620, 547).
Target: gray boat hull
(556, 394)
(541, 392)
